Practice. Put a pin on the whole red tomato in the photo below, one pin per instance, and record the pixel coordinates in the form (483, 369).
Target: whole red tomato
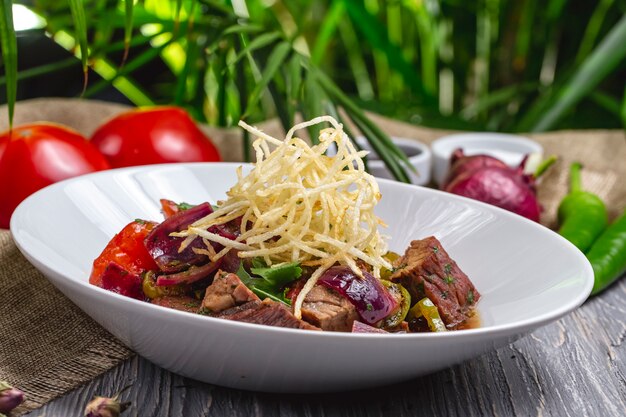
(153, 136)
(36, 155)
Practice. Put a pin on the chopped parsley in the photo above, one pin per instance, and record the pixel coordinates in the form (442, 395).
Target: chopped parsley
(269, 282)
(449, 279)
(140, 221)
(447, 268)
(401, 266)
(369, 307)
(435, 249)
(184, 206)
(470, 297)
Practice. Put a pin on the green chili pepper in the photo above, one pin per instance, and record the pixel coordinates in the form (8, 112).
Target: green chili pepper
(608, 255)
(426, 308)
(404, 298)
(582, 215)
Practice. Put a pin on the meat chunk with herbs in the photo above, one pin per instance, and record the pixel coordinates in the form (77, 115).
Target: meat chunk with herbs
(328, 310)
(267, 312)
(225, 292)
(426, 270)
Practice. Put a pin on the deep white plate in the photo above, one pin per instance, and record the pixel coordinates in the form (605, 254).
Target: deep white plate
(527, 274)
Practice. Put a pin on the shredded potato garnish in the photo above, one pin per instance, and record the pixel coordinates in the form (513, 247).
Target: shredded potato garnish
(299, 205)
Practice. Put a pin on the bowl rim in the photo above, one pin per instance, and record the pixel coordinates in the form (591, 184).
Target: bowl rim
(424, 154)
(517, 327)
(446, 144)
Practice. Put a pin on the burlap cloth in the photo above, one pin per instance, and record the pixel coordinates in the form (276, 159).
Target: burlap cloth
(48, 346)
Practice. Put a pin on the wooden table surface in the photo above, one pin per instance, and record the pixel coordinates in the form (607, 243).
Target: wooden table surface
(574, 367)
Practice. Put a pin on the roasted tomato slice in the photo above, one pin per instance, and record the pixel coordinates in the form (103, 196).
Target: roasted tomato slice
(127, 251)
(169, 207)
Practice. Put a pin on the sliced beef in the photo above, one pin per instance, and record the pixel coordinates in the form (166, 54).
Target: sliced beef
(426, 270)
(327, 309)
(178, 302)
(267, 312)
(225, 292)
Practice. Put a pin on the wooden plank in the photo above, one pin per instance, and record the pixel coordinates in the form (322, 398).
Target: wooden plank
(575, 367)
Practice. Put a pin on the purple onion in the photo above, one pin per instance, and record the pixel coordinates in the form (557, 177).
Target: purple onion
(461, 163)
(358, 327)
(164, 248)
(230, 261)
(193, 274)
(370, 298)
(507, 188)
(118, 280)
(9, 397)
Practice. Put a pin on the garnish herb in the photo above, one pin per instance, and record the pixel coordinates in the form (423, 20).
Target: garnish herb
(470, 297)
(447, 268)
(269, 282)
(184, 206)
(140, 221)
(402, 266)
(435, 249)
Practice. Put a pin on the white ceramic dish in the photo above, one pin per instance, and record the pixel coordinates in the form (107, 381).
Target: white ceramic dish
(528, 277)
(508, 148)
(419, 156)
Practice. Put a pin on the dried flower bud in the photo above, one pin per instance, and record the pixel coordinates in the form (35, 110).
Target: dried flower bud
(105, 407)
(9, 397)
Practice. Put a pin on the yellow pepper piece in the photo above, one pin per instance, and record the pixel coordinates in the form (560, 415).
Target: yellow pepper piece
(426, 308)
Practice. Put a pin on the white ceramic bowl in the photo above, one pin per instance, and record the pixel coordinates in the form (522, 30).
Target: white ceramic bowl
(508, 148)
(527, 274)
(419, 156)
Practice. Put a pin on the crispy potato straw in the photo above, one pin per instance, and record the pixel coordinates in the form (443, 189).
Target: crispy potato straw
(299, 205)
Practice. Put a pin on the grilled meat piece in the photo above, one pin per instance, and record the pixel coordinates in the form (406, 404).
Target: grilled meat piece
(267, 312)
(426, 270)
(225, 292)
(328, 310)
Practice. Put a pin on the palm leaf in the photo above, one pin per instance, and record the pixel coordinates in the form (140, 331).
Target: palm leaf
(259, 42)
(179, 7)
(313, 105)
(128, 27)
(393, 157)
(593, 29)
(274, 61)
(327, 30)
(8, 41)
(374, 32)
(80, 25)
(132, 65)
(604, 59)
(294, 82)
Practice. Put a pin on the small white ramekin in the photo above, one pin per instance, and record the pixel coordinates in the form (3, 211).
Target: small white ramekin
(510, 149)
(419, 156)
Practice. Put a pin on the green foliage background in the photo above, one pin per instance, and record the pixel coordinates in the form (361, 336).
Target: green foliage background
(505, 65)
